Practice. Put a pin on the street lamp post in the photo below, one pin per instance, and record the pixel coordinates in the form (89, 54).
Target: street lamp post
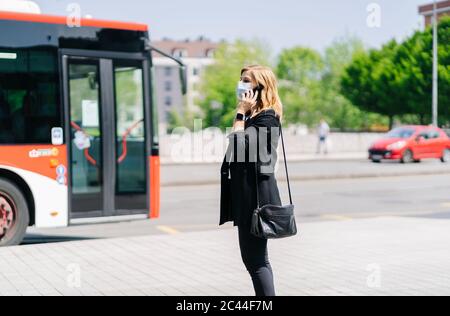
(435, 65)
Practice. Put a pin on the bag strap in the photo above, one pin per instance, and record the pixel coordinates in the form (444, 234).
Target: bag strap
(287, 173)
(286, 166)
(226, 164)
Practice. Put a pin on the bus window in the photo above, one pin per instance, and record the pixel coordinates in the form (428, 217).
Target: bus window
(155, 123)
(86, 149)
(29, 106)
(130, 129)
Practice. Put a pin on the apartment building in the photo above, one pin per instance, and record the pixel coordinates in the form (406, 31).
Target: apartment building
(196, 54)
(443, 9)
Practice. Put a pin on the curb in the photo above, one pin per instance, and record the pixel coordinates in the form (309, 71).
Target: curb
(294, 160)
(319, 178)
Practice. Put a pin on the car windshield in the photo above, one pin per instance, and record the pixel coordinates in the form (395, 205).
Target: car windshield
(401, 133)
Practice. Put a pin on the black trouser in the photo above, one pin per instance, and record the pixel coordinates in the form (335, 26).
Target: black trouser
(256, 259)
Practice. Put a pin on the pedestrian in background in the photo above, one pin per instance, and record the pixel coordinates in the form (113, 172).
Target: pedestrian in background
(259, 112)
(323, 132)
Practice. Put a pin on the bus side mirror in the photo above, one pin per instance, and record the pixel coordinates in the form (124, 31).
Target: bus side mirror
(183, 79)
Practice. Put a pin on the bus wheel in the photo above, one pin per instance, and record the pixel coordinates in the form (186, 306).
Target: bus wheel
(14, 216)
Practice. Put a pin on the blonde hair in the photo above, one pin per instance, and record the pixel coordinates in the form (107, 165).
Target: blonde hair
(269, 97)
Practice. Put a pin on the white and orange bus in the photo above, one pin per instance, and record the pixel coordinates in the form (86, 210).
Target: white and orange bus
(78, 125)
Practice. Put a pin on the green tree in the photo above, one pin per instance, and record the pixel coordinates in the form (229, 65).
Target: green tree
(371, 82)
(220, 79)
(339, 111)
(415, 60)
(310, 86)
(397, 79)
(299, 71)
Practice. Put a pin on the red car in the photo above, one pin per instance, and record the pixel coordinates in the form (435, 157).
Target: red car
(411, 144)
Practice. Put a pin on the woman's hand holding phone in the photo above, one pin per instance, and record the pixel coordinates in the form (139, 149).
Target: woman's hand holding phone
(249, 100)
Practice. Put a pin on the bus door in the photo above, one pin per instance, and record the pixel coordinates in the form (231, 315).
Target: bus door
(107, 129)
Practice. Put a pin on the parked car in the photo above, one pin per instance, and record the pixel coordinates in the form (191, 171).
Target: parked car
(447, 131)
(412, 144)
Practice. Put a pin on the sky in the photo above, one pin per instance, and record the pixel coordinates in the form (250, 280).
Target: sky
(281, 23)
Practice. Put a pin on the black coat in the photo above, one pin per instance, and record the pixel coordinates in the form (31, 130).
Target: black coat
(258, 143)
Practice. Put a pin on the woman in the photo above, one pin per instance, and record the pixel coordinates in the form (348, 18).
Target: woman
(251, 157)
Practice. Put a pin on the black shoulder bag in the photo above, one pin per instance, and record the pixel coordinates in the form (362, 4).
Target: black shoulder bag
(271, 221)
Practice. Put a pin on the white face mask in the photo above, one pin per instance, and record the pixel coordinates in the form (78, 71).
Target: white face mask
(242, 88)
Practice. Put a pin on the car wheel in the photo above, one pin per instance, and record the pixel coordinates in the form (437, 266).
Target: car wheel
(14, 216)
(446, 156)
(408, 157)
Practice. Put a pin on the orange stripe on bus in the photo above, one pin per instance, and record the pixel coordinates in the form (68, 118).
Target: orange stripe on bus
(39, 159)
(40, 18)
(155, 186)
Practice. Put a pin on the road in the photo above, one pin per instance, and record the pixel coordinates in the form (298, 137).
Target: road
(182, 175)
(364, 194)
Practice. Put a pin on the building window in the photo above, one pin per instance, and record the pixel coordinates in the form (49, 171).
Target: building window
(168, 116)
(168, 86)
(180, 53)
(210, 53)
(168, 101)
(168, 71)
(195, 71)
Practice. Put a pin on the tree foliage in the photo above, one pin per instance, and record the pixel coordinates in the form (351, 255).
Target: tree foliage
(310, 86)
(299, 71)
(351, 87)
(339, 111)
(220, 79)
(396, 80)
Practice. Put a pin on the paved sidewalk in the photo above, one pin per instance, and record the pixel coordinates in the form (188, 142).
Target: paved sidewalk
(384, 256)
